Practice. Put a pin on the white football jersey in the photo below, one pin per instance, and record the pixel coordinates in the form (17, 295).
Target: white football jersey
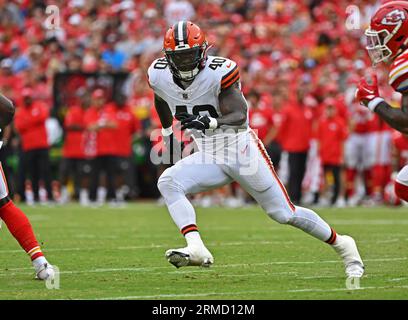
(201, 97)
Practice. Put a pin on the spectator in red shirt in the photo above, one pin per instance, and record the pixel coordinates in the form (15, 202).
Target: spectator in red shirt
(331, 134)
(128, 125)
(261, 120)
(74, 163)
(296, 133)
(275, 147)
(101, 119)
(30, 124)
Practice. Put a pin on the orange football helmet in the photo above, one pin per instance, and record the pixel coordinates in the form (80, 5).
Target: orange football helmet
(185, 48)
(387, 35)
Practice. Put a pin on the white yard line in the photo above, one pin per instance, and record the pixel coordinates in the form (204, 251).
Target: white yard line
(398, 279)
(214, 244)
(208, 294)
(237, 265)
(157, 246)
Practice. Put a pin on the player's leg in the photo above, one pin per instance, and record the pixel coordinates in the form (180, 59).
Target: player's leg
(297, 170)
(351, 161)
(111, 169)
(265, 186)
(336, 169)
(370, 153)
(45, 173)
(32, 169)
(401, 184)
(96, 168)
(190, 175)
(125, 179)
(20, 227)
(85, 173)
(64, 173)
(77, 177)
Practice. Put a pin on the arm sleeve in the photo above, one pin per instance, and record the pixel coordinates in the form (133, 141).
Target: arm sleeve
(230, 74)
(398, 77)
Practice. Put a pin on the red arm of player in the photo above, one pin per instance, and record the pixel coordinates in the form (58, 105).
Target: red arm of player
(368, 95)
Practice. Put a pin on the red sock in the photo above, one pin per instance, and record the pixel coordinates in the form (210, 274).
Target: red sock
(19, 226)
(350, 180)
(377, 178)
(401, 190)
(368, 179)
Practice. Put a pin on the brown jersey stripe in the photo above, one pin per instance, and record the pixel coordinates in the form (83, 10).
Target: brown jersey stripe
(270, 165)
(189, 228)
(229, 75)
(231, 82)
(333, 237)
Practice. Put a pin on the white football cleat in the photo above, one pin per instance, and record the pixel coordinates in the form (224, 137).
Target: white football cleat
(190, 256)
(45, 272)
(346, 247)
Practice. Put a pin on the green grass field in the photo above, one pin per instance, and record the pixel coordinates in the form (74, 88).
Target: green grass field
(119, 254)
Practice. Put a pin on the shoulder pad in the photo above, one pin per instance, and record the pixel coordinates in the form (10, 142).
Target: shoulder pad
(226, 69)
(157, 66)
(398, 77)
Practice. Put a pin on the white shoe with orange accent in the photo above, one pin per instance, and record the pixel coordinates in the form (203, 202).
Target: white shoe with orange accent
(346, 247)
(190, 256)
(45, 272)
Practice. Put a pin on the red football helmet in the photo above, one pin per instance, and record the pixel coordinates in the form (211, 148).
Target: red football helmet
(387, 35)
(185, 48)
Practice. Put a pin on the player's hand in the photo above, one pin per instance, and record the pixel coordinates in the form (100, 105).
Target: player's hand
(365, 92)
(368, 94)
(190, 121)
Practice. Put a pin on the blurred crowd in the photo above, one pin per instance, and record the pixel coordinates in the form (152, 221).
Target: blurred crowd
(299, 66)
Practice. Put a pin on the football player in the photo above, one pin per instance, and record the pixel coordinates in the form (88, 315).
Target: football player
(387, 38)
(204, 93)
(15, 220)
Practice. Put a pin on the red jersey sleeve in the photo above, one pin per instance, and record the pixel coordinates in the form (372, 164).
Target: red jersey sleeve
(398, 76)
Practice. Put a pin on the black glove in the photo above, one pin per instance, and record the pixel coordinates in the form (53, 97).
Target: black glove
(191, 121)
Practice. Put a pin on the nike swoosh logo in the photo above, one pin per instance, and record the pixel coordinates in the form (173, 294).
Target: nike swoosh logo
(243, 151)
(229, 65)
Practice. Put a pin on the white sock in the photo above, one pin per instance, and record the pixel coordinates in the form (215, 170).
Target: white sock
(182, 212)
(338, 239)
(194, 239)
(308, 221)
(37, 263)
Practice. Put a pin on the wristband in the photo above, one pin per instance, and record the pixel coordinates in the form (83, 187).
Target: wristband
(167, 131)
(374, 103)
(213, 123)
